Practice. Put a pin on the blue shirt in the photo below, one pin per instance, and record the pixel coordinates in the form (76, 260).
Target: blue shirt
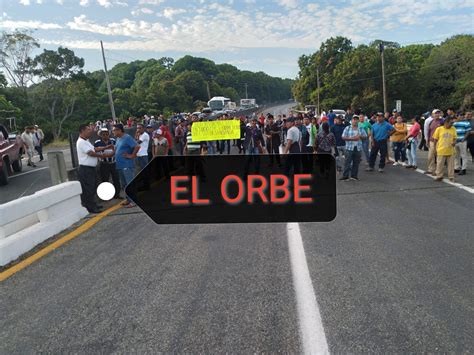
(381, 131)
(462, 127)
(331, 117)
(125, 144)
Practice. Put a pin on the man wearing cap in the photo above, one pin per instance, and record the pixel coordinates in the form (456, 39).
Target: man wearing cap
(272, 132)
(107, 163)
(353, 135)
(381, 131)
(253, 145)
(430, 128)
(87, 155)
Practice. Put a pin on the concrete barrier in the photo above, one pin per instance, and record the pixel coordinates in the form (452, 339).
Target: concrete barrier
(28, 221)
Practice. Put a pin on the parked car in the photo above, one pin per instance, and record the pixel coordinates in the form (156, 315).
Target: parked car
(11, 150)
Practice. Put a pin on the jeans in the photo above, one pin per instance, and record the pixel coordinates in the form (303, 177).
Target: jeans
(142, 161)
(252, 154)
(211, 148)
(365, 149)
(378, 146)
(222, 146)
(126, 176)
(399, 151)
(351, 165)
(411, 153)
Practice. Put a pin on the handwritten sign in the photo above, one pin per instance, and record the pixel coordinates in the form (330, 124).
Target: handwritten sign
(215, 130)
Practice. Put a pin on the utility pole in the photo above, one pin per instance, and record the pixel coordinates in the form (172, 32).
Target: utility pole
(319, 86)
(109, 90)
(382, 49)
(208, 90)
(246, 91)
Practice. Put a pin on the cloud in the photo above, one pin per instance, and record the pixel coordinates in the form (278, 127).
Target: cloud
(104, 3)
(150, 2)
(169, 13)
(12, 25)
(143, 10)
(25, 2)
(84, 3)
(289, 4)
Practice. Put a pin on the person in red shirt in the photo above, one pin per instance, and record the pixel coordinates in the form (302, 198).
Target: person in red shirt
(166, 133)
(130, 122)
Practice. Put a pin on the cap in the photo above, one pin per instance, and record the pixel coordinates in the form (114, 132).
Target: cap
(379, 113)
(355, 117)
(394, 111)
(36, 125)
(435, 111)
(104, 130)
(159, 131)
(149, 126)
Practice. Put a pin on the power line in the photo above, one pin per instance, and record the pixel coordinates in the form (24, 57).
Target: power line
(403, 71)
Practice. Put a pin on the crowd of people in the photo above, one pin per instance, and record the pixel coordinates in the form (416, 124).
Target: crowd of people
(350, 138)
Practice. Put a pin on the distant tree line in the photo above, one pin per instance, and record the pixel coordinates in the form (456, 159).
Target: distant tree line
(423, 76)
(52, 89)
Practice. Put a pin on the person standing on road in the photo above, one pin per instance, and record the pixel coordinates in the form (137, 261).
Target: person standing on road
(28, 144)
(143, 139)
(398, 139)
(432, 126)
(38, 137)
(292, 147)
(444, 139)
(353, 135)
(338, 130)
(88, 155)
(180, 137)
(463, 127)
(325, 140)
(367, 127)
(253, 146)
(470, 135)
(107, 167)
(381, 131)
(272, 132)
(126, 149)
(412, 143)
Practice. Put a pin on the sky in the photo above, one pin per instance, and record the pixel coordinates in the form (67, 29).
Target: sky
(256, 35)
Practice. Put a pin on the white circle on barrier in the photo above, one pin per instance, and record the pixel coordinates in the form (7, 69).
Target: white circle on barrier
(106, 191)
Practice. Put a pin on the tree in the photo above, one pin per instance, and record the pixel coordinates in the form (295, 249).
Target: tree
(15, 52)
(59, 92)
(448, 73)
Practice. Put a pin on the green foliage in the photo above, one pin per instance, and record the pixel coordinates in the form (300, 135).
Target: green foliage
(422, 76)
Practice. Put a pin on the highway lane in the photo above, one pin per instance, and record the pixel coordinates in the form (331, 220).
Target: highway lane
(31, 179)
(392, 273)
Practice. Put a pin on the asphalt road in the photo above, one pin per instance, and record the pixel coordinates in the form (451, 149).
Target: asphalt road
(31, 179)
(392, 273)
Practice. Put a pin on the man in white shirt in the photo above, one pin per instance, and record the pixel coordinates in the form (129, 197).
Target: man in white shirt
(293, 139)
(27, 138)
(87, 156)
(143, 139)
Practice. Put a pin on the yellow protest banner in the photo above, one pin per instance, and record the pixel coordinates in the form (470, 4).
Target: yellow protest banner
(215, 130)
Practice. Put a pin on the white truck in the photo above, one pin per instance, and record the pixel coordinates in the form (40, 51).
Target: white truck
(247, 103)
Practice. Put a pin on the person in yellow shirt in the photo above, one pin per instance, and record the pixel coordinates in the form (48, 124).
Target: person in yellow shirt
(445, 140)
(398, 139)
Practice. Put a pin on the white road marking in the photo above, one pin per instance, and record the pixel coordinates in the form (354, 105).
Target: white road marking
(28, 172)
(456, 184)
(312, 333)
